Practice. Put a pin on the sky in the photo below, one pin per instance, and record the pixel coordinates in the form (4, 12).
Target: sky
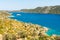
(26, 4)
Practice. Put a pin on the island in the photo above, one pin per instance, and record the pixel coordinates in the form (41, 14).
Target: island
(41, 10)
(44, 10)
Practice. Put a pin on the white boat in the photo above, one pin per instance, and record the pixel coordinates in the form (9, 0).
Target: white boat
(18, 14)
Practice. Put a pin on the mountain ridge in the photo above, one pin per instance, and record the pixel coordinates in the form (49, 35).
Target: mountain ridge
(46, 9)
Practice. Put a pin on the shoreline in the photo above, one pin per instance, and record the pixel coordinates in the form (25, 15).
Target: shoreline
(16, 29)
(47, 29)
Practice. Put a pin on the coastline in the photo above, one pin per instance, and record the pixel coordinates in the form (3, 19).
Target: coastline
(47, 29)
(15, 29)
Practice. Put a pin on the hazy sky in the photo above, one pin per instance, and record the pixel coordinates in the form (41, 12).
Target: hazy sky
(23, 4)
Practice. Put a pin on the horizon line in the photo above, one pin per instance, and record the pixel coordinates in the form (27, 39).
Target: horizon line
(25, 8)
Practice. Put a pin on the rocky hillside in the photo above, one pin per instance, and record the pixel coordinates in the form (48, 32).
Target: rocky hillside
(46, 9)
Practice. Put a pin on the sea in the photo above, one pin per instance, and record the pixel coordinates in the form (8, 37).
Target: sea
(51, 21)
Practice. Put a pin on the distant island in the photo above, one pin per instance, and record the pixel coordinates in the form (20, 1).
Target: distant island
(46, 9)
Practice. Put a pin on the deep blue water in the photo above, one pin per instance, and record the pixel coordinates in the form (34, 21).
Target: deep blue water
(51, 21)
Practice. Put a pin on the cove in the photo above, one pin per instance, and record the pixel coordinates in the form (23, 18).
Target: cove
(51, 21)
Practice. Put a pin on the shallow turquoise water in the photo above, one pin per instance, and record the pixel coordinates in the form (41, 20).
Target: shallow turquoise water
(51, 21)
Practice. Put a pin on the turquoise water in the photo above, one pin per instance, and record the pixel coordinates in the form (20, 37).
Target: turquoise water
(51, 21)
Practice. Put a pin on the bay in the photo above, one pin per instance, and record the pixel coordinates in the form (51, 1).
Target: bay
(51, 21)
